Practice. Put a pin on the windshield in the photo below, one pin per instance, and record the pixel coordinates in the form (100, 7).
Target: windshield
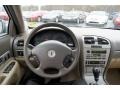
(97, 16)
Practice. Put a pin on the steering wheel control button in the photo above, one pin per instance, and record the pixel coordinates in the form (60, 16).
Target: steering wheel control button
(68, 61)
(51, 53)
(34, 61)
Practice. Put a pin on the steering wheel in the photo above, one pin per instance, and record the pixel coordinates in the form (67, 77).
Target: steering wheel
(51, 59)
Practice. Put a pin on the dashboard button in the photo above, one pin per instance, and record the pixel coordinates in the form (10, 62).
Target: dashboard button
(88, 51)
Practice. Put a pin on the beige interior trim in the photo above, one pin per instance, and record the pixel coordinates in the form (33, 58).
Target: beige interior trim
(115, 63)
(14, 76)
(113, 76)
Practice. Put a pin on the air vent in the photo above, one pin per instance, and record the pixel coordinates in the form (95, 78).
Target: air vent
(102, 41)
(20, 43)
(89, 40)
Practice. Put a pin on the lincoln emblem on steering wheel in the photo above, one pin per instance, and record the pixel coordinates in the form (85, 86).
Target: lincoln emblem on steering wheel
(51, 53)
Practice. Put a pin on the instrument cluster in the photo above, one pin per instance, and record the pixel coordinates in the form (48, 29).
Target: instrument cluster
(58, 35)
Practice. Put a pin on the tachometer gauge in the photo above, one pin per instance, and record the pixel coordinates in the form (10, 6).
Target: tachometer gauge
(60, 37)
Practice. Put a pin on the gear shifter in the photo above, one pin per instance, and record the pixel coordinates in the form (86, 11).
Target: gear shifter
(96, 73)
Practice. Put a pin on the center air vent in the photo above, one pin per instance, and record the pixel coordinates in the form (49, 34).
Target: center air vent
(102, 41)
(89, 40)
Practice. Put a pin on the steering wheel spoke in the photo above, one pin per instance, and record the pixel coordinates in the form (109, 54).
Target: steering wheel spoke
(74, 52)
(30, 46)
(29, 49)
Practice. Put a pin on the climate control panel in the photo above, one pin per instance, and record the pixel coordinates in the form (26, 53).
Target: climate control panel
(96, 52)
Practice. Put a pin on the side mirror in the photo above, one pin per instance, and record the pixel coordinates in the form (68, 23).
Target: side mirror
(3, 27)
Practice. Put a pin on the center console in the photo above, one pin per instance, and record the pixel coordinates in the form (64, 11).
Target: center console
(96, 52)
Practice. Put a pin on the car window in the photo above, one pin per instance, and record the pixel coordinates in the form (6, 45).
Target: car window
(4, 19)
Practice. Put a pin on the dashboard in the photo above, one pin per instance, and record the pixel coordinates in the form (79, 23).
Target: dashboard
(52, 34)
(98, 47)
(112, 36)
